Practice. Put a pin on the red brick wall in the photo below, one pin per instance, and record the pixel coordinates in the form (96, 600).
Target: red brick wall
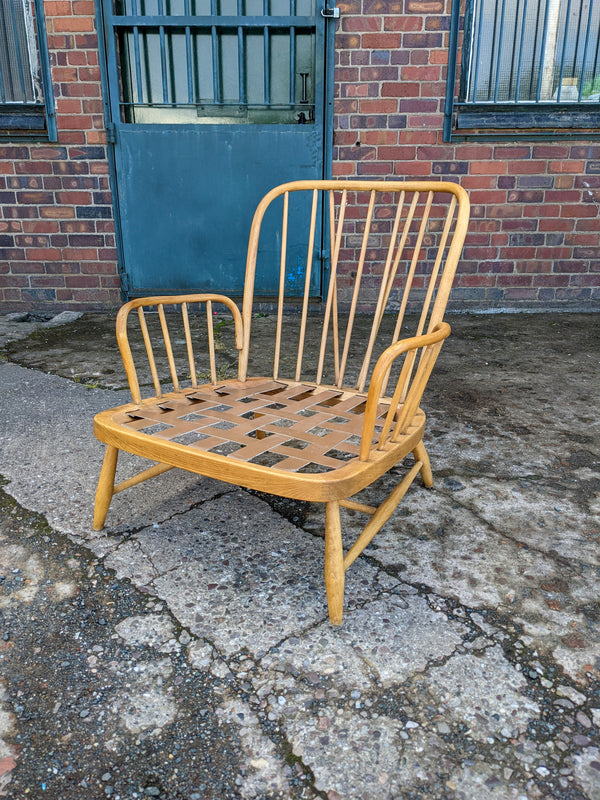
(57, 239)
(535, 233)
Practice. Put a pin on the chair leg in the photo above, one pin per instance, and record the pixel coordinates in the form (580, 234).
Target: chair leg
(334, 562)
(106, 482)
(420, 454)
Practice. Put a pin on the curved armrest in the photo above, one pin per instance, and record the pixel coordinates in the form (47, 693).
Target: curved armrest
(409, 387)
(159, 302)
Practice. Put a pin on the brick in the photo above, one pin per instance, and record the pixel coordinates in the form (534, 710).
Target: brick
(425, 6)
(33, 167)
(380, 41)
(512, 151)
(80, 254)
(535, 181)
(426, 121)
(551, 280)
(520, 225)
(587, 252)
(74, 198)
(37, 198)
(93, 212)
(585, 224)
(83, 7)
(412, 168)
(400, 57)
(81, 281)
(476, 280)
(566, 266)
(73, 25)
(71, 137)
(553, 151)
(437, 23)
(38, 295)
(514, 280)
(488, 168)
(579, 210)
(529, 196)
(381, 137)
(360, 24)
(74, 122)
(379, 106)
(379, 73)
(566, 166)
(420, 74)
(80, 89)
(383, 6)
(524, 167)
(554, 224)
(475, 152)
(57, 8)
(47, 280)
(403, 23)
(86, 240)
(450, 167)
(400, 89)
(76, 58)
(57, 212)
(480, 182)
(428, 40)
(375, 168)
(397, 153)
(52, 182)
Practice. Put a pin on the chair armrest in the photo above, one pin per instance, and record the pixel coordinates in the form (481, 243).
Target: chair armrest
(409, 388)
(160, 302)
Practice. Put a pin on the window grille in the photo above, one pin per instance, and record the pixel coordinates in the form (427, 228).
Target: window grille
(26, 104)
(525, 64)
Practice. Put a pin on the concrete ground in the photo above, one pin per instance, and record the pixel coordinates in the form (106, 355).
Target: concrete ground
(185, 652)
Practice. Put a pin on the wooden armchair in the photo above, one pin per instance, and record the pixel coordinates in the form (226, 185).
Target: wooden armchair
(306, 429)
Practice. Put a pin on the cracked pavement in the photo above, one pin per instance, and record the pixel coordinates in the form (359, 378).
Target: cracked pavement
(185, 651)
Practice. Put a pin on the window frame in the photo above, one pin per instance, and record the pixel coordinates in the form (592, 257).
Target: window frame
(504, 121)
(35, 121)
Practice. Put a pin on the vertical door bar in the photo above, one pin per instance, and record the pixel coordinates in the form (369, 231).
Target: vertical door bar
(292, 55)
(266, 57)
(241, 59)
(188, 54)
(215, 55)
(163, 56)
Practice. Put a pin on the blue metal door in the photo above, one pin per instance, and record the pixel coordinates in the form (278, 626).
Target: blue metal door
(213, 102)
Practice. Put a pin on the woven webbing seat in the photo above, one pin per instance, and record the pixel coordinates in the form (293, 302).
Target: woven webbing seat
(305, 431)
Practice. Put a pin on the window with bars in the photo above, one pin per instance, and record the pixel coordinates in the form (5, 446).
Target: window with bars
(26, 104)
(524, 64)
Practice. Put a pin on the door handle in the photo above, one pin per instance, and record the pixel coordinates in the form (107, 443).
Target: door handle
(330, 13)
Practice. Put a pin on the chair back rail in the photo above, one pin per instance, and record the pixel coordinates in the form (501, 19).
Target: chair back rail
(394, 247)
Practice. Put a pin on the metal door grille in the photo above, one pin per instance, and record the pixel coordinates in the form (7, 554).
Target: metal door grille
(216, 61)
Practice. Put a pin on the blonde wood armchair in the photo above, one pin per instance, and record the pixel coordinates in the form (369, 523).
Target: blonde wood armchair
(309, 431)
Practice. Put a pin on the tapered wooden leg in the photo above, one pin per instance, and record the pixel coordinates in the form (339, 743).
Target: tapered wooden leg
(334, 562)
(106, 483)
(420, 454)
